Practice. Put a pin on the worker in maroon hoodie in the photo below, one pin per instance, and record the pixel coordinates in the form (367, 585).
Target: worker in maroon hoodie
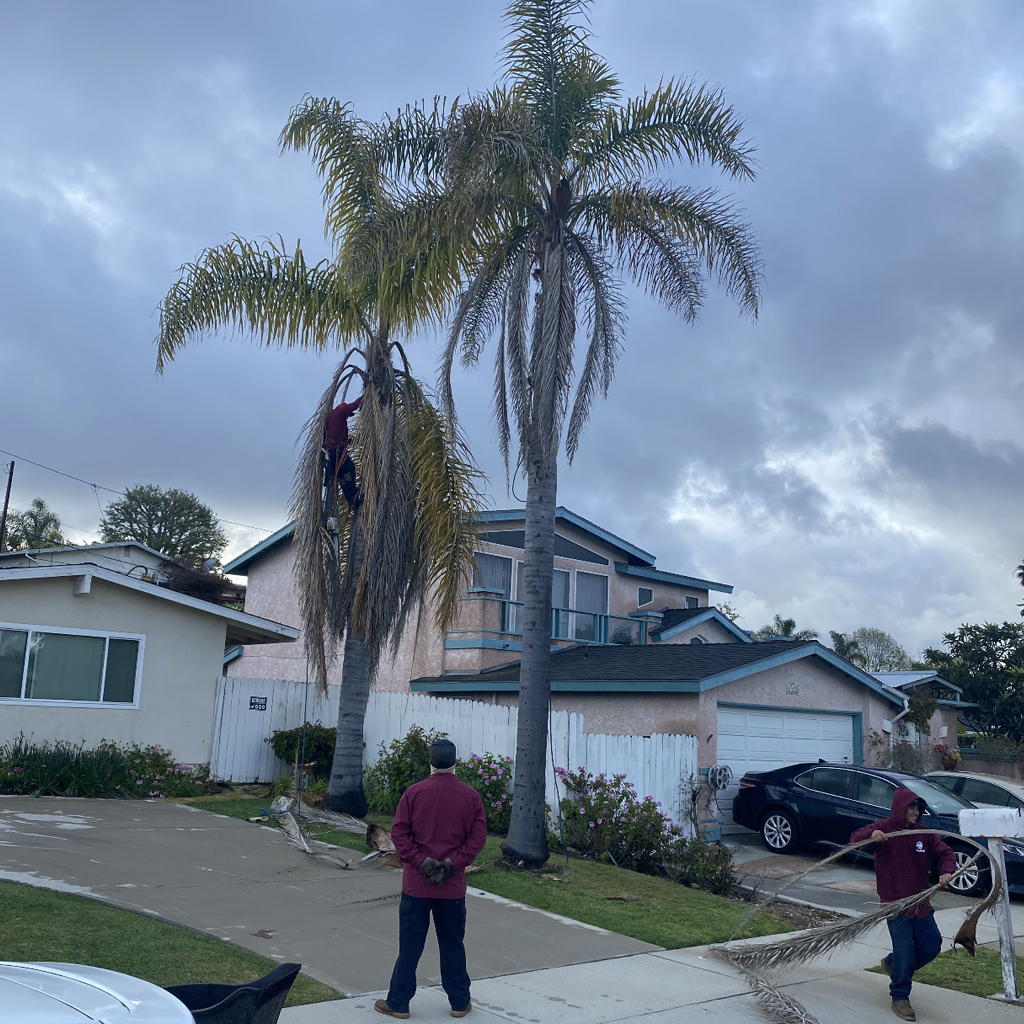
(439, 829)
(903, 868)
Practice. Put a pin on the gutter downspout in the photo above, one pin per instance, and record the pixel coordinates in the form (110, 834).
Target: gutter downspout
(894, 720)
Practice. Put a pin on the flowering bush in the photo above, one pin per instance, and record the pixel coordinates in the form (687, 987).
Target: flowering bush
(67, 769)
(604, 818)
(491, 776)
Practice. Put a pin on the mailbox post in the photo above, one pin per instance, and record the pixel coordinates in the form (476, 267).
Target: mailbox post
(995, 824)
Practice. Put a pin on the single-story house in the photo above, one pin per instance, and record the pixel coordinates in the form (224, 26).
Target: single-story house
(942, 726)
(90, 653)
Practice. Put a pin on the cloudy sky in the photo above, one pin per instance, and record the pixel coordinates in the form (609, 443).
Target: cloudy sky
(852, 458)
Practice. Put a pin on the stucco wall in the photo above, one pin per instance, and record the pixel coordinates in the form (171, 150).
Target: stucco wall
(182, 660)
(712, 632)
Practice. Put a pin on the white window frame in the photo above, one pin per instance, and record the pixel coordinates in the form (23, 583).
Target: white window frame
(106, 634)
(650, 590)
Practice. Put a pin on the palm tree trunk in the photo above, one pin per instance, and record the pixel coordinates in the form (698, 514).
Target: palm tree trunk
(345, 789)
(527, 834)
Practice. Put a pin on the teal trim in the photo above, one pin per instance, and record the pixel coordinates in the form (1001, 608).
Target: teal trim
(485, 590)
(517, 515)
(709, 613)
(650, 573)
(482, 644)
(804, 651)
(480, 684)
(231, 653)
(857, 716)
(240, 566)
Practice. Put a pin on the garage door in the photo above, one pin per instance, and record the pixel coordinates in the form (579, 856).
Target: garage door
(757, 740)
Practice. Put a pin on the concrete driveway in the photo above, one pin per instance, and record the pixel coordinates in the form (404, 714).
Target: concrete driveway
(234, 880)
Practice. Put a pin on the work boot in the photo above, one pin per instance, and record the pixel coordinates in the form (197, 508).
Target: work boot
(462, 1013)
(381, 1006)
(903, 1009)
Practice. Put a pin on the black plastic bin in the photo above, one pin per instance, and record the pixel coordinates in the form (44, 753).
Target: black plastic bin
(259, 1002)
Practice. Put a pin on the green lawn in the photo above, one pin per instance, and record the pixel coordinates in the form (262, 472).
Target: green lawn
(981, 975)
(37, 924)
(656, 911)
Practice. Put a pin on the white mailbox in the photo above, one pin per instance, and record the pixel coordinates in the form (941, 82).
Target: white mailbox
(992, 822)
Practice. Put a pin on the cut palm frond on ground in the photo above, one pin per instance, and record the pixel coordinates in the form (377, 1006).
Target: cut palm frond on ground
(753, 960)
(297, 836)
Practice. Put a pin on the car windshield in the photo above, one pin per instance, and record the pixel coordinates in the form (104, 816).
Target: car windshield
(939, 800)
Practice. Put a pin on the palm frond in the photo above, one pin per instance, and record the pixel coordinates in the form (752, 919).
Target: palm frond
(603, 301)
(677, 120)
(263, 290)
(643, 223)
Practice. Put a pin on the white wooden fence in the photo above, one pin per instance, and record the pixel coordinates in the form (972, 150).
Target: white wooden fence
(248, 711)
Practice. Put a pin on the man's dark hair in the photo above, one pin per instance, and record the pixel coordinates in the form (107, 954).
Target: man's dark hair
(442, 754)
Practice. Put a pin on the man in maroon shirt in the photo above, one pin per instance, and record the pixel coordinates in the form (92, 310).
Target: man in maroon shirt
(341, 471)
(439, 829)
(903, 868)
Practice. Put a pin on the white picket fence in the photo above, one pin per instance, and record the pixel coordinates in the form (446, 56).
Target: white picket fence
(249, 711)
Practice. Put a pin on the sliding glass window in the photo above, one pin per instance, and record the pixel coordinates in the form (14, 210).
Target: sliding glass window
(40, 664)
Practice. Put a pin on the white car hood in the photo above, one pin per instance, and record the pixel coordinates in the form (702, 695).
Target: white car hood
(44, 993)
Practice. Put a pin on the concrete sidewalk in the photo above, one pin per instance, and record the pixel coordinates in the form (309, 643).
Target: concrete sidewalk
(684, 985)
(235, 880)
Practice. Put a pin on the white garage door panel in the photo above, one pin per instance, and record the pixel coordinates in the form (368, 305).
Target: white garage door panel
(756, 740)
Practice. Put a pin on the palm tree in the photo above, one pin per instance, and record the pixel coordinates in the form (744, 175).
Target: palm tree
(410, 539)
(847, 646)
(780, 627)
(549, 177)
(37, 527)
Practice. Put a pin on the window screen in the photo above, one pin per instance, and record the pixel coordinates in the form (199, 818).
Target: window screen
(876, 792)
(12, 661)
(833, 781)
(644, 595)
(119, 681)
(692, 602)
(493, 572)
(65, 667)
(591, 593)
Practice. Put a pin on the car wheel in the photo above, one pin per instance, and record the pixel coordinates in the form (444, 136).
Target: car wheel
(975, 880)
(778, 831)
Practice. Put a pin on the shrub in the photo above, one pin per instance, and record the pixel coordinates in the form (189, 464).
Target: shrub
(111, 770)
(398, 766)
(320, 742)
(605, 819)
(491, 776)
(699, 864)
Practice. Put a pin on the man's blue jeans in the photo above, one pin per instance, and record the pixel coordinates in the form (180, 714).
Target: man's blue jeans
(915, 942)
(450, 927)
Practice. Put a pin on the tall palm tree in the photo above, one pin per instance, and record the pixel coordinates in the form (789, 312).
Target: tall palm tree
(550, 201)
(410, 539)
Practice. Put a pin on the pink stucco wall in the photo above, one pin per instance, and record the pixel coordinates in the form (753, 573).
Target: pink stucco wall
(711, 632)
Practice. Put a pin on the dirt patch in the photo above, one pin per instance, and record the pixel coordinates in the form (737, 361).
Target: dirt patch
(803, 917)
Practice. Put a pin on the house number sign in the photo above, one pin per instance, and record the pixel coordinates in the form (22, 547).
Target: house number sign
(257, 703)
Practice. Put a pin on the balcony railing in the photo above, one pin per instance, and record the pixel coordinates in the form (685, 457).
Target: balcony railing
(577, 626)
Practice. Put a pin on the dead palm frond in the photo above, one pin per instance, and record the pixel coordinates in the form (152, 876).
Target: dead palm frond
(297, 836)
(342, 822)
(752, 960)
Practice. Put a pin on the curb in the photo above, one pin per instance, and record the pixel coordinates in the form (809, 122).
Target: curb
(804, 903)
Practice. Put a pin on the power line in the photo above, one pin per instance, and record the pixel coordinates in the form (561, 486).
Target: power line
(99, 487)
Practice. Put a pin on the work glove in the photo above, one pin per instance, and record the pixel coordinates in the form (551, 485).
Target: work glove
(447, 869)
(432, 869)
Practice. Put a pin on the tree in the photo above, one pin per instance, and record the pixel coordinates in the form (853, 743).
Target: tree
(409, 542)
(847, 647)
(729, 611)
(547, 198)
(780, 627)
(987, 663)
(173, 522)
(881, 652)
(36, 527)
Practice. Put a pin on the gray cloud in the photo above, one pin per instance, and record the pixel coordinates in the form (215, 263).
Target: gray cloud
(851, 458)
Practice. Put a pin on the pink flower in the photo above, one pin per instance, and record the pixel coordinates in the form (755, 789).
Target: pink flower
(17, 769)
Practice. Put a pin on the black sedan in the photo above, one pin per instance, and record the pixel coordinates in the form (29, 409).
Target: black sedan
(809, 804)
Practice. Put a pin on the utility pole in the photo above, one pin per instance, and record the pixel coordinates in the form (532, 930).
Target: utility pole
(7, 502)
